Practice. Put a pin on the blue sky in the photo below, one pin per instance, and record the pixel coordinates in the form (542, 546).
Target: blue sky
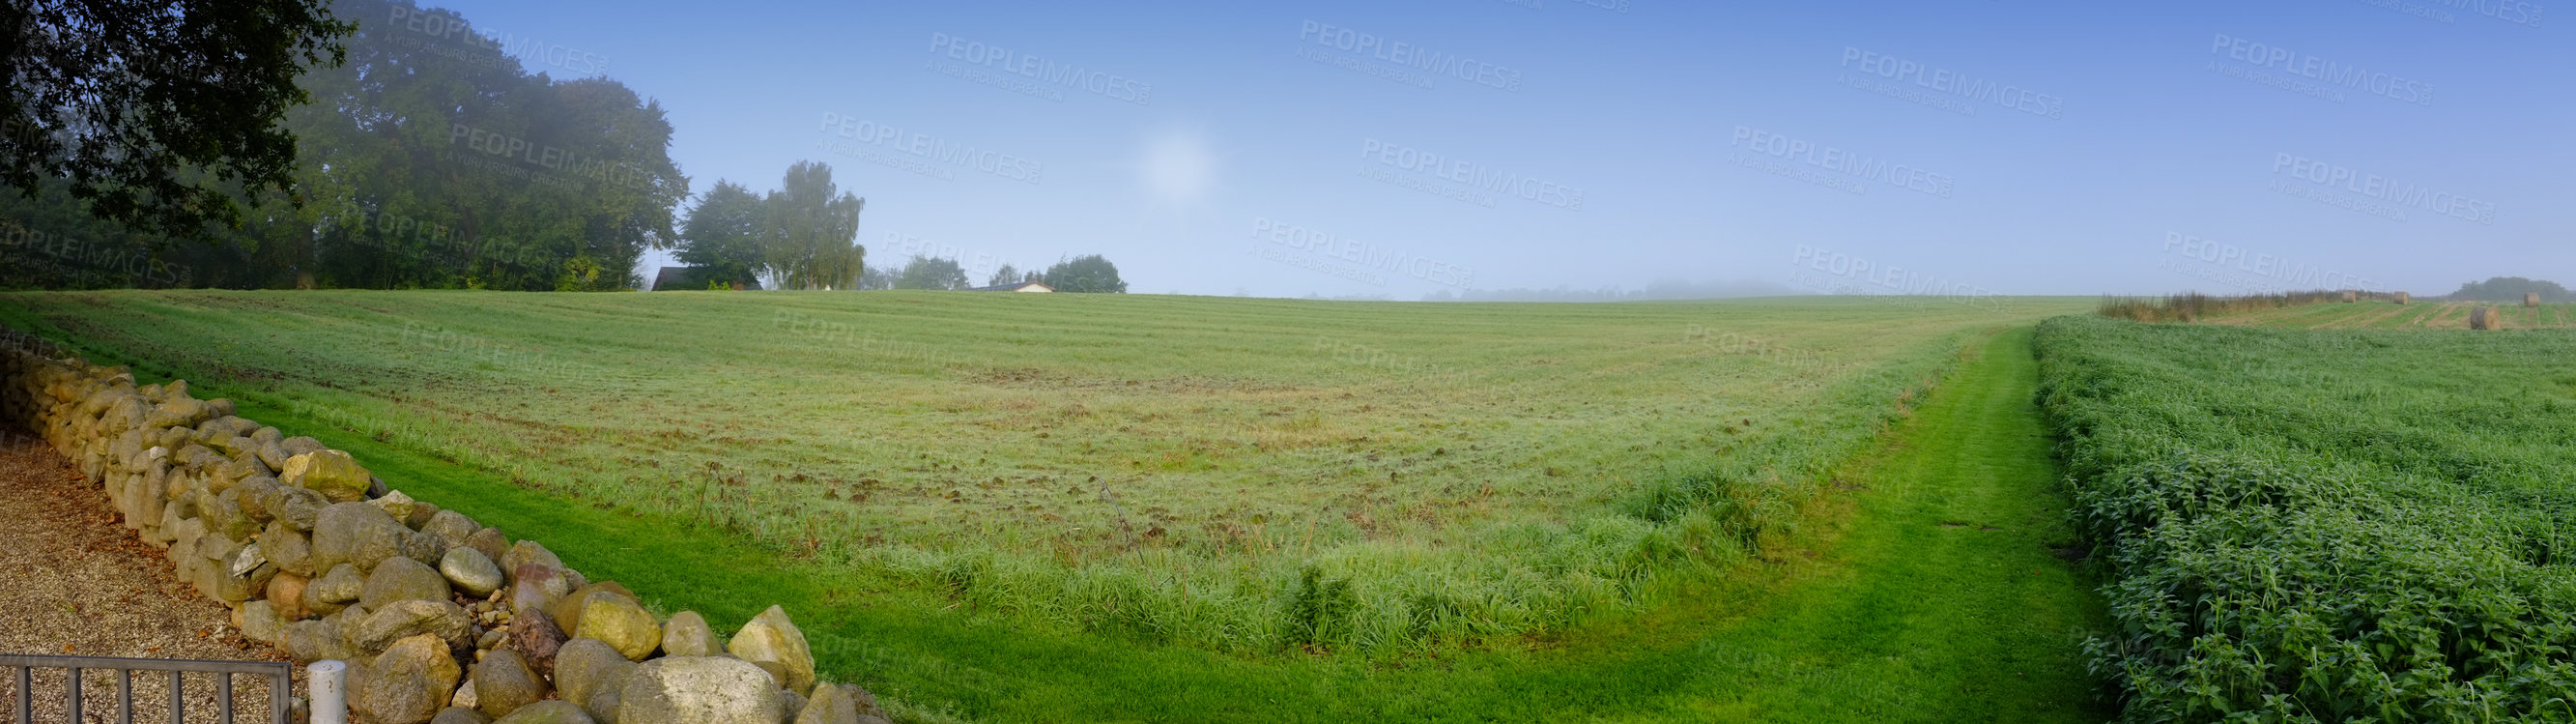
(1283, 149)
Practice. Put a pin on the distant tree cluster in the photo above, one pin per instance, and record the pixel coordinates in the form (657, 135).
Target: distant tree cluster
(2511, 289)
(802, 236)
(427, 159)
(1091, 273)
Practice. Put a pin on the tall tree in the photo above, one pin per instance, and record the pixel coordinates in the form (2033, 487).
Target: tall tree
(1005, 275)
(924, 272)
(721, 239)
(1092, 273)
(811, 235)
(157, 114)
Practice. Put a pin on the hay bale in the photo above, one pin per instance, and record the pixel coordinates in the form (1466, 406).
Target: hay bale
(2486, 318)
(2403, 297)
(2531, 299)
(2350, 296)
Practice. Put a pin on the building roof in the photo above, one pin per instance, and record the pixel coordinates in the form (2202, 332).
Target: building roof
(676, 279)
(1022, 286)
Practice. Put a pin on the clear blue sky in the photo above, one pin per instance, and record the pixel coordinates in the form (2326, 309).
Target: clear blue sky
(2414, 144)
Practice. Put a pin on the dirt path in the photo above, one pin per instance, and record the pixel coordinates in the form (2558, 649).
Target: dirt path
(74, 581)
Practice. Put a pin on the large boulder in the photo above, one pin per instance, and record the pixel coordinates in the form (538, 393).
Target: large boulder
(451, 528)
(299, 508)
(770, 637)
(551, 712)
(407, 684)
(535, 587)
(260, 621)
(398, 505)
(310, 641)
(591, 673)
(536, 637)
(460, 715)
(290, 550)
(468, 570)
(528, 552)
(567, 610)
(840, 704)
(406, 619)
(399, 579)
(700, 690)
(356, 533)
(621, 623)
(286, 592)
(493, 545)
(335, 590)
(688, 634)
(330, 472)
(503, 683)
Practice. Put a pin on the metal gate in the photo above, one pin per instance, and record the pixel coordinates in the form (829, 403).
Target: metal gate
(20, 669)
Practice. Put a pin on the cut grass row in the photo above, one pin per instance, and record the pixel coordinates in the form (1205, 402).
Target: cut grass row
(1241, 475)
(1925, 590)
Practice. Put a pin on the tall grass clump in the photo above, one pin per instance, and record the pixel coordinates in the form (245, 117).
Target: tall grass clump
(2195, 306)
(2307, 526)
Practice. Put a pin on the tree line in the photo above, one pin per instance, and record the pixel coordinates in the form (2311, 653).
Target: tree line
(358, 143)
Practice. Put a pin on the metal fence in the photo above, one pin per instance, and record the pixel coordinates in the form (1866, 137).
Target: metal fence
(21, 668)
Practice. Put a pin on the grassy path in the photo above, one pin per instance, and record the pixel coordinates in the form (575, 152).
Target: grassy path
(1942, 599)
(1927, 591)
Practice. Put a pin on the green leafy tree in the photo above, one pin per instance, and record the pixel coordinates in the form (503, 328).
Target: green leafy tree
(721, 239)
(1005, 275)
(923, 272)
(1092, 273)
(2511, 289)
(810, 234)
(158, 114)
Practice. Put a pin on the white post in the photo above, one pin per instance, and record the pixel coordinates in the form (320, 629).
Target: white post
(328, 681)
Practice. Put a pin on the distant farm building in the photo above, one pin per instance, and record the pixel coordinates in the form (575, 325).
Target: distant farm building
(1020, 287)
(686, 278)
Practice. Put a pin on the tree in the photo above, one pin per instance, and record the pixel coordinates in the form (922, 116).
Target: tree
(930, 273)
(2511, 289)
(1005, 275)
(157, 113)
(721, 240)
(811, 236)
(1092, 273)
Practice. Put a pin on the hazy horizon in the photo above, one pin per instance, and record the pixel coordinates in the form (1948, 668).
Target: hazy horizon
(1342, 150)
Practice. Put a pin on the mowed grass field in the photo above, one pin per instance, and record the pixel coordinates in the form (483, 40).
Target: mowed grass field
(1172, 466)
(1045, 507)
(2425, 314)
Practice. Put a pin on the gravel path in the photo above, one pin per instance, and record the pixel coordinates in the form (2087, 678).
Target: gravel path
(74, 581)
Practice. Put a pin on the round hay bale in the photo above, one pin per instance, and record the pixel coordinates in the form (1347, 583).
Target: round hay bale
(2350, 296)
(2403, 297)
(2531, 299)
(2486, 318)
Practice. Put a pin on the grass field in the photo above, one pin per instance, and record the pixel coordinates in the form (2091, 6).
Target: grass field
(1918, 582)
(2326, 525)
(2426, 314)
(1232, 474)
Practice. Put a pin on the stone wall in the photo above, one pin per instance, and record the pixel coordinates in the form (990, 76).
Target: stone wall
(440, 618)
